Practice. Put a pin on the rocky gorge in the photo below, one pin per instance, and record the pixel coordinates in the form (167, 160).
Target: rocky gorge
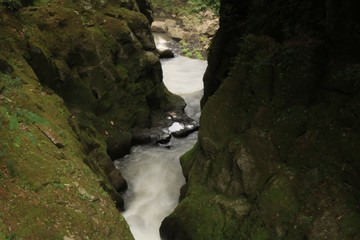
(277, 155)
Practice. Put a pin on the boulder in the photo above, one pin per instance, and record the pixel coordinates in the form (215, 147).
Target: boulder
(150, 135)
(182, 124)
(208, 27)
(145, 8)
(117, 180)
(166, 53)
(170, 23)
(5, 67)
(185, 130)
(175, 123)
(178, 33)
(118, 145)
(158, 26)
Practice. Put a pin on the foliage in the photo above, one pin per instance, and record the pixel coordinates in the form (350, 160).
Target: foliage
(12, 5)
(20, 115)
(31, 117)
(10, 167)
(190, 53)
(201, 5)
(164, 5)
(8, 81)
(14, 118)
(40, 2)
(192, 6)
(5, 237)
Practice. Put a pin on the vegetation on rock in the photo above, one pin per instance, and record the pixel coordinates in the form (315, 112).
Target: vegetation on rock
(279, 127)
(195, 24)
(185, 6)
(76, 77)
(11, 4)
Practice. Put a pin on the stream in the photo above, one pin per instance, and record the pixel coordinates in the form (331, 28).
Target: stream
(154, 173)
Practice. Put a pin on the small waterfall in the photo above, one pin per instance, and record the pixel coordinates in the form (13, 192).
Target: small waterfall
(154, 173)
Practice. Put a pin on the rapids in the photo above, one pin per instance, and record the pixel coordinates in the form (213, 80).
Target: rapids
(154, 173)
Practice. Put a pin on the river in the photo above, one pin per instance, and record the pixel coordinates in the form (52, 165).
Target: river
(154, 173)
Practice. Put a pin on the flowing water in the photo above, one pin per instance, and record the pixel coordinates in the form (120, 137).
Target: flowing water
(154, 173)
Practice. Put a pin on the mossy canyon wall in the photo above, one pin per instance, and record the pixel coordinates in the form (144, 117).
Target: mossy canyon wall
(77, 77)
(278, 151)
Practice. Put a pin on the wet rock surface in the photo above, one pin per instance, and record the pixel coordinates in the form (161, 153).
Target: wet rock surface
(166, 53)
(175, 124)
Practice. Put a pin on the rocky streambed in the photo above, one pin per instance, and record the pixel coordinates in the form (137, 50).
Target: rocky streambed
(192, 33)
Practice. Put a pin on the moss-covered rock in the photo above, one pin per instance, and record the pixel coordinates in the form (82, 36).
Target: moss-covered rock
(279, 125)
(46, 190)
(100, 69)
(76, 78)
(221, 216)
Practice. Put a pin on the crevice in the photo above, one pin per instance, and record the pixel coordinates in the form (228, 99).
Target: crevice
(338, 91)
(95, 93)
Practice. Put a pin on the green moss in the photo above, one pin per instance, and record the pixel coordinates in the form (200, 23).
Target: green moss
(11, 167)
(220, 125)
(122, 71)
(209, 214)
(279, 202)
(135, 20)
(12, 5)
(350, 225)
(45, 180)
(40, 2)
(188, 159)
(9, 82)
(262, 234)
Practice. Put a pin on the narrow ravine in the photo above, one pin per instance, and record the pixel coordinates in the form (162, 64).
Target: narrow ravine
(154, 173)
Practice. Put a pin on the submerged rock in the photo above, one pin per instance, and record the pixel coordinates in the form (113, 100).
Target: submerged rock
(182, 125)
(166, 53)
(151, 135)
(175, 123)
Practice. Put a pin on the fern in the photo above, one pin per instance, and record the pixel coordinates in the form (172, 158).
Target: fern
(31, 137)
(10, 81)
(31, 117)
(14, 118)
(12, 5)
(201, 5)
(4, 112)
(17, 141)
(13, 122)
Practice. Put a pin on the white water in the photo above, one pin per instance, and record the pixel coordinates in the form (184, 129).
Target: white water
(154, 173)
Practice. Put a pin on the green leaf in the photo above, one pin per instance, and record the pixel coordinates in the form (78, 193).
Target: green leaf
(13, 124)
(31, 117)
(31, 137)
(17, 142)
